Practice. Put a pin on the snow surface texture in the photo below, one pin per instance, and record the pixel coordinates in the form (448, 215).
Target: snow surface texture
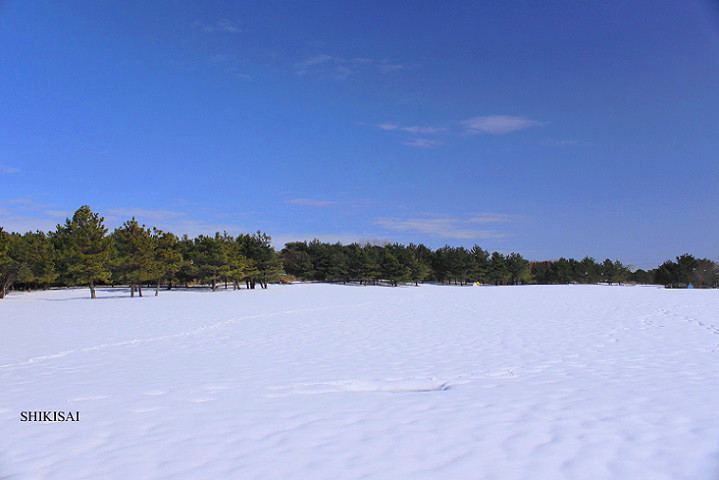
(346, 382)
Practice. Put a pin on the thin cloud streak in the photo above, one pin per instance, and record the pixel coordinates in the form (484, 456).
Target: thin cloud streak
(442, 227)
(411, 129)
(497, 124)
(221, 26)
(423, 143)
(310, 202)
(322, 65)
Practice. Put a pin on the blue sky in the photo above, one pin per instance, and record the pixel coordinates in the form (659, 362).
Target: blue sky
(548, 128)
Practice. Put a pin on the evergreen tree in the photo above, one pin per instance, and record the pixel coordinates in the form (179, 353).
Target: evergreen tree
(479, 264)
(393, 270)
(361, 263)
(588, 271)
(518, 268)
(441, 264)
(36, 254)
(418, 269)
(187, 272)
(84, 248)
(706, 274)
(9, 267)
(267, 264)
(561, 272)
(297, 260)
(210, 258)
(239, 266)
(686, 265)
(135, 248)
(497, 269)
(166, 258)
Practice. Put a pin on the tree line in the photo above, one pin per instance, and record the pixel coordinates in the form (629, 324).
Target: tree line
(395, 264)
(82, 252)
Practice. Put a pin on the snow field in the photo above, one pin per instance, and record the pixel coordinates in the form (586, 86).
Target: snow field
(347, 382)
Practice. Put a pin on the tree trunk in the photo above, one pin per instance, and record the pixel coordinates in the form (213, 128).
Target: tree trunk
(132, 290)
(139, 289)
(169, 285)
(214, 284)
(157, 288)
(92, 289)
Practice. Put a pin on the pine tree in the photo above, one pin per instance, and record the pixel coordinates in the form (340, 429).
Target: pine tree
(267, 264)
(238, 266)
(166, 258)
(134, 246)
(297, 260)
(210, 257)
(84, 248)
(418, 270)
(518, 268)
(37, 252)
(393, 270)
(9, 267)
(588, 271)
(497, 269)
(479, 264)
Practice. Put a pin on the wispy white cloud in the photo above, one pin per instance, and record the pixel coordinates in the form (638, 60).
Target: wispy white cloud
(411, 129)
(385, 66)
(497, 124)
(493, 124)
(304, 66)
(443, 226)
(489, 217)
(322, 65)
(6, 169)
(311, 202)
(229, 64)
(220, 26)
(567, 142)
(218, 58)
(27, 215)
(423, 143)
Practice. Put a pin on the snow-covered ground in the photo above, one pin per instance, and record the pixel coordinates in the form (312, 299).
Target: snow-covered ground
(345, 382)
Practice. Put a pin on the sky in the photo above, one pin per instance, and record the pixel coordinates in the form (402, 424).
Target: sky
(546, 128)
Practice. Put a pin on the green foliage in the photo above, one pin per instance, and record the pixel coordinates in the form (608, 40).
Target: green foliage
(518, 269)
(134, 261)
(85, 248)
(210, 257)
(392, 269)
(35, 254)
(265, 265)
(80, 252)
(687, 269)
(9, 267)
(497, 271)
